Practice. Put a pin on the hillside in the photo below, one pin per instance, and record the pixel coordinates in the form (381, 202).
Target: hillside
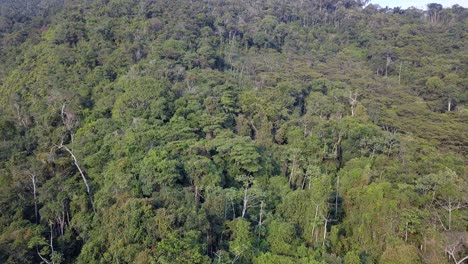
(232, 131)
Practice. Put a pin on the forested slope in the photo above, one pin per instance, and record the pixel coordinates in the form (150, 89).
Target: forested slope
(232, 131)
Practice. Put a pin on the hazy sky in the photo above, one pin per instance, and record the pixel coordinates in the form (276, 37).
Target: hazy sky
(418, 3)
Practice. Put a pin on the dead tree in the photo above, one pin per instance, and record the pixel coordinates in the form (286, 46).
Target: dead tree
(455, 243)
(353, 101)
(34, 181)
(75, 161)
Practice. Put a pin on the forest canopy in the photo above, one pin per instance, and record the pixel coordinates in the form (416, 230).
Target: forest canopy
(232, 131)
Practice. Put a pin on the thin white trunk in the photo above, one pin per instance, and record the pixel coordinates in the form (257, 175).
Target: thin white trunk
(33, 179)
(462, 260)
(406, 232)
(43, 259)
(233, 210)
(292, 170)
(324, 232)
(62, 114)
(399, 74)
(260, 223)
(353, 101)
(451, 253)
(245, 202)
(78, 167)
(389, 61)
(51, 243)
(450, 214)
(81, 173)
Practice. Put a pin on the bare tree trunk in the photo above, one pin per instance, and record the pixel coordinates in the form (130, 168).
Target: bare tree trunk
(88, 190)
(399, 73)
(389, 60)
(324, 231)
(451, 250)
(449, 107)
(292, 171)
(260, 223)
(254, 129)
(51, 242)
(245, 201)
(406, 232)
(386, 70)
(62, 220)
(43, 259)
(78, 167)
(353, 101)
(62, 114)
(450, 207)
(233, 210)
(462, 260)
(33, 179)
(450, 214)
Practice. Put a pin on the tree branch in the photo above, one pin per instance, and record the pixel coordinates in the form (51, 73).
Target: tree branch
(88, 190)
(43, 259)
(462, 260)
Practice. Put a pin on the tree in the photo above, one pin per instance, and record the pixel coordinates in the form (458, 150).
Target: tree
(455, 242)
(182, 249)
(203, 174)
(241, 244)
(85, 181)
(281, 238)
(158, 169)
(434, 12)
(400, 254)
(352, 258)
(444, 190)
(146, 98)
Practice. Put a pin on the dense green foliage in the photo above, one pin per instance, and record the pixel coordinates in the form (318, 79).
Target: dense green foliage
(232, 131)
